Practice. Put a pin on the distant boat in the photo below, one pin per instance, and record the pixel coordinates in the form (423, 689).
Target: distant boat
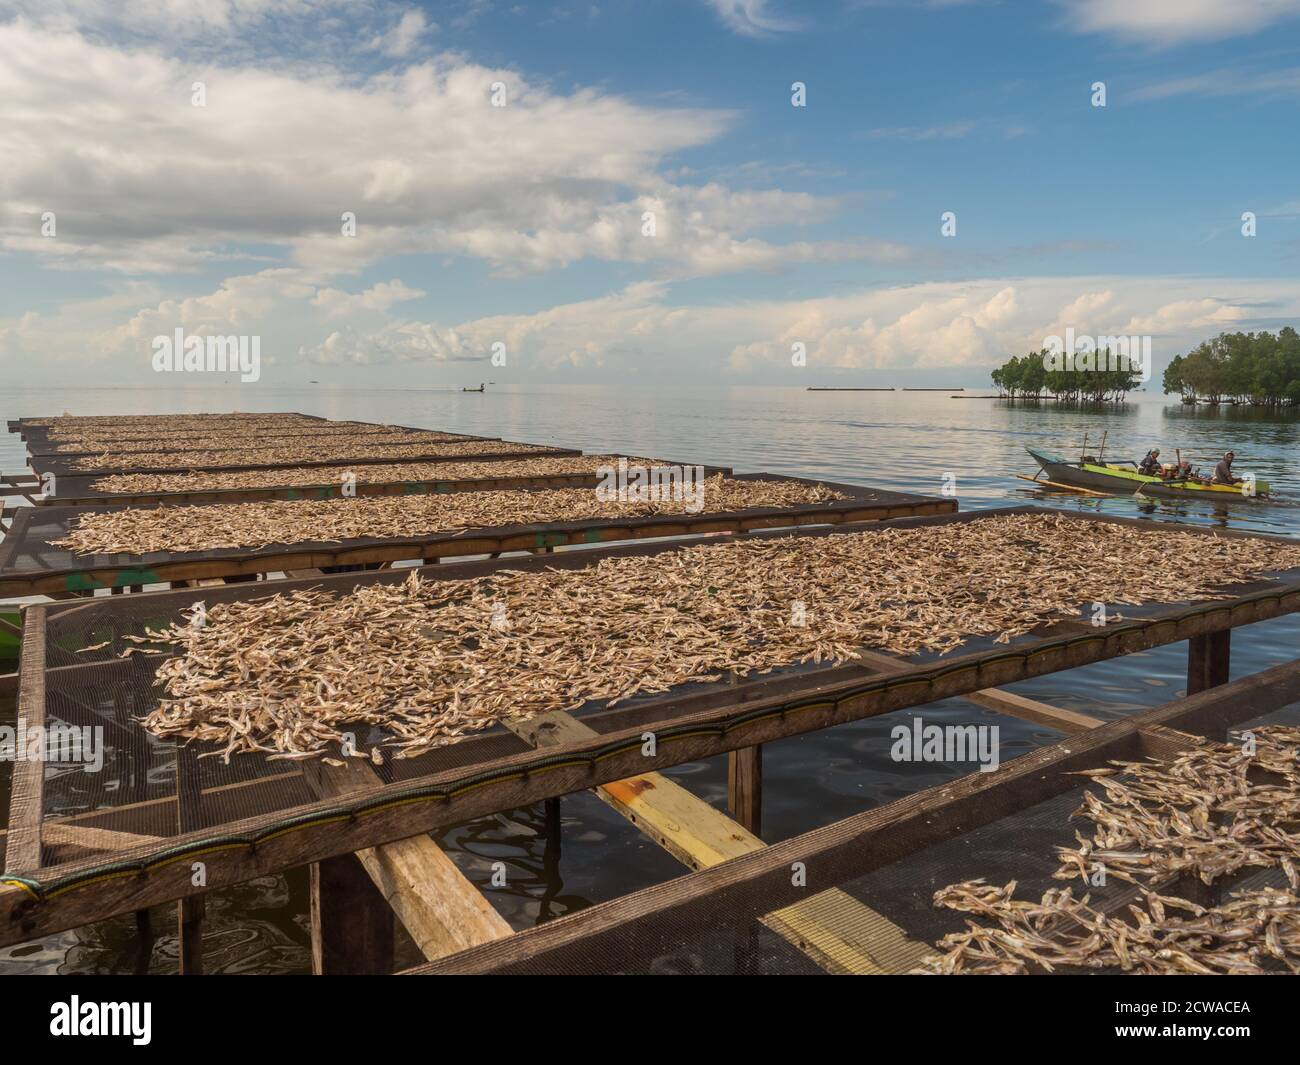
(481, 388)
(313, 382)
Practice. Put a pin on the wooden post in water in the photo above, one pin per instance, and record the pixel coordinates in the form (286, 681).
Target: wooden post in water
(352, 924)
(553, 831)
(1208, 660)
(190, 911)
(745, 786)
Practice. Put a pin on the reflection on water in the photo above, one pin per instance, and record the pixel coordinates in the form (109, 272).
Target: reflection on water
(904, 441)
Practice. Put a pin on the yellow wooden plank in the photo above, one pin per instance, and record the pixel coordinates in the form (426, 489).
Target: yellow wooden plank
(845, 937)
(839, 933)
(686, 826)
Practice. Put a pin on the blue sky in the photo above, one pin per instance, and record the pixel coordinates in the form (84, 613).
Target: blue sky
(522, 224)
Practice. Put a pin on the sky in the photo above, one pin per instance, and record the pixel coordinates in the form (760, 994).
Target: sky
(626, 191)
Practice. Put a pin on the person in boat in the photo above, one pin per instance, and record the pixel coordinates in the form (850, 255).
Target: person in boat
(1223, 471)
(1150, 466)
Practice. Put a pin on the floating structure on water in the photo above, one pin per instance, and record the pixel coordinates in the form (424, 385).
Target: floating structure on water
(744, 628)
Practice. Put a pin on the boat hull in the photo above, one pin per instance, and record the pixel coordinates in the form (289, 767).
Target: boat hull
(1121, 481)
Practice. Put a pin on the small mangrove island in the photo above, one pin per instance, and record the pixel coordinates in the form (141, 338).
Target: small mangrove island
(1259, 369)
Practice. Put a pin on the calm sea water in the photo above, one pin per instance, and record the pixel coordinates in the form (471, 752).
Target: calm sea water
(903, 441)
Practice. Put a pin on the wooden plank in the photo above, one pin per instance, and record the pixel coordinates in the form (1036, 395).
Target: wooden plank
(873, 839)
(26, 800)
(137, 817)
(846, 937)
(1013, 705)
(685, 826)
(1005, 702)
(437, 904)
(351, 923)
(699, 836)
(67, 834)
(1062, 485)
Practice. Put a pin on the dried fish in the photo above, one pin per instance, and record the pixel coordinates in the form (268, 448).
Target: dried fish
(287, 454)
(272, 440)
(101, 422)
(1206, 814)
(258, 524)
(377, 473)
(104, 437)
(429, 662)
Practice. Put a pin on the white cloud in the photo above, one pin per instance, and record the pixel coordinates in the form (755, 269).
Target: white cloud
(951, 325)
(1171, 22)
(404, 36)
(751, 18)
(418, 153)
(393, 342)
(176, 16)
(1227, 81)
(379, 297)
(948, 130)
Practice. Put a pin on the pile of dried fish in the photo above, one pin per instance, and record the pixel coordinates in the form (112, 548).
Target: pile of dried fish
(165, 421)
(263, 441)
(107, 437)
(279, 521)
(288, 454)
(430, 661)
(1209, 813)
(1256, 932)
(397, 473)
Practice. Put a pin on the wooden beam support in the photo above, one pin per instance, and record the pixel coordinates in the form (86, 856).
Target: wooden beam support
(436, 903)
(191, 910)
(868, 841)
(65, 834)
(27, 790)
(1208, 660)
(245, 794)
(745, 787)
(1005, 702)
(351, 923)
(1013, 705)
